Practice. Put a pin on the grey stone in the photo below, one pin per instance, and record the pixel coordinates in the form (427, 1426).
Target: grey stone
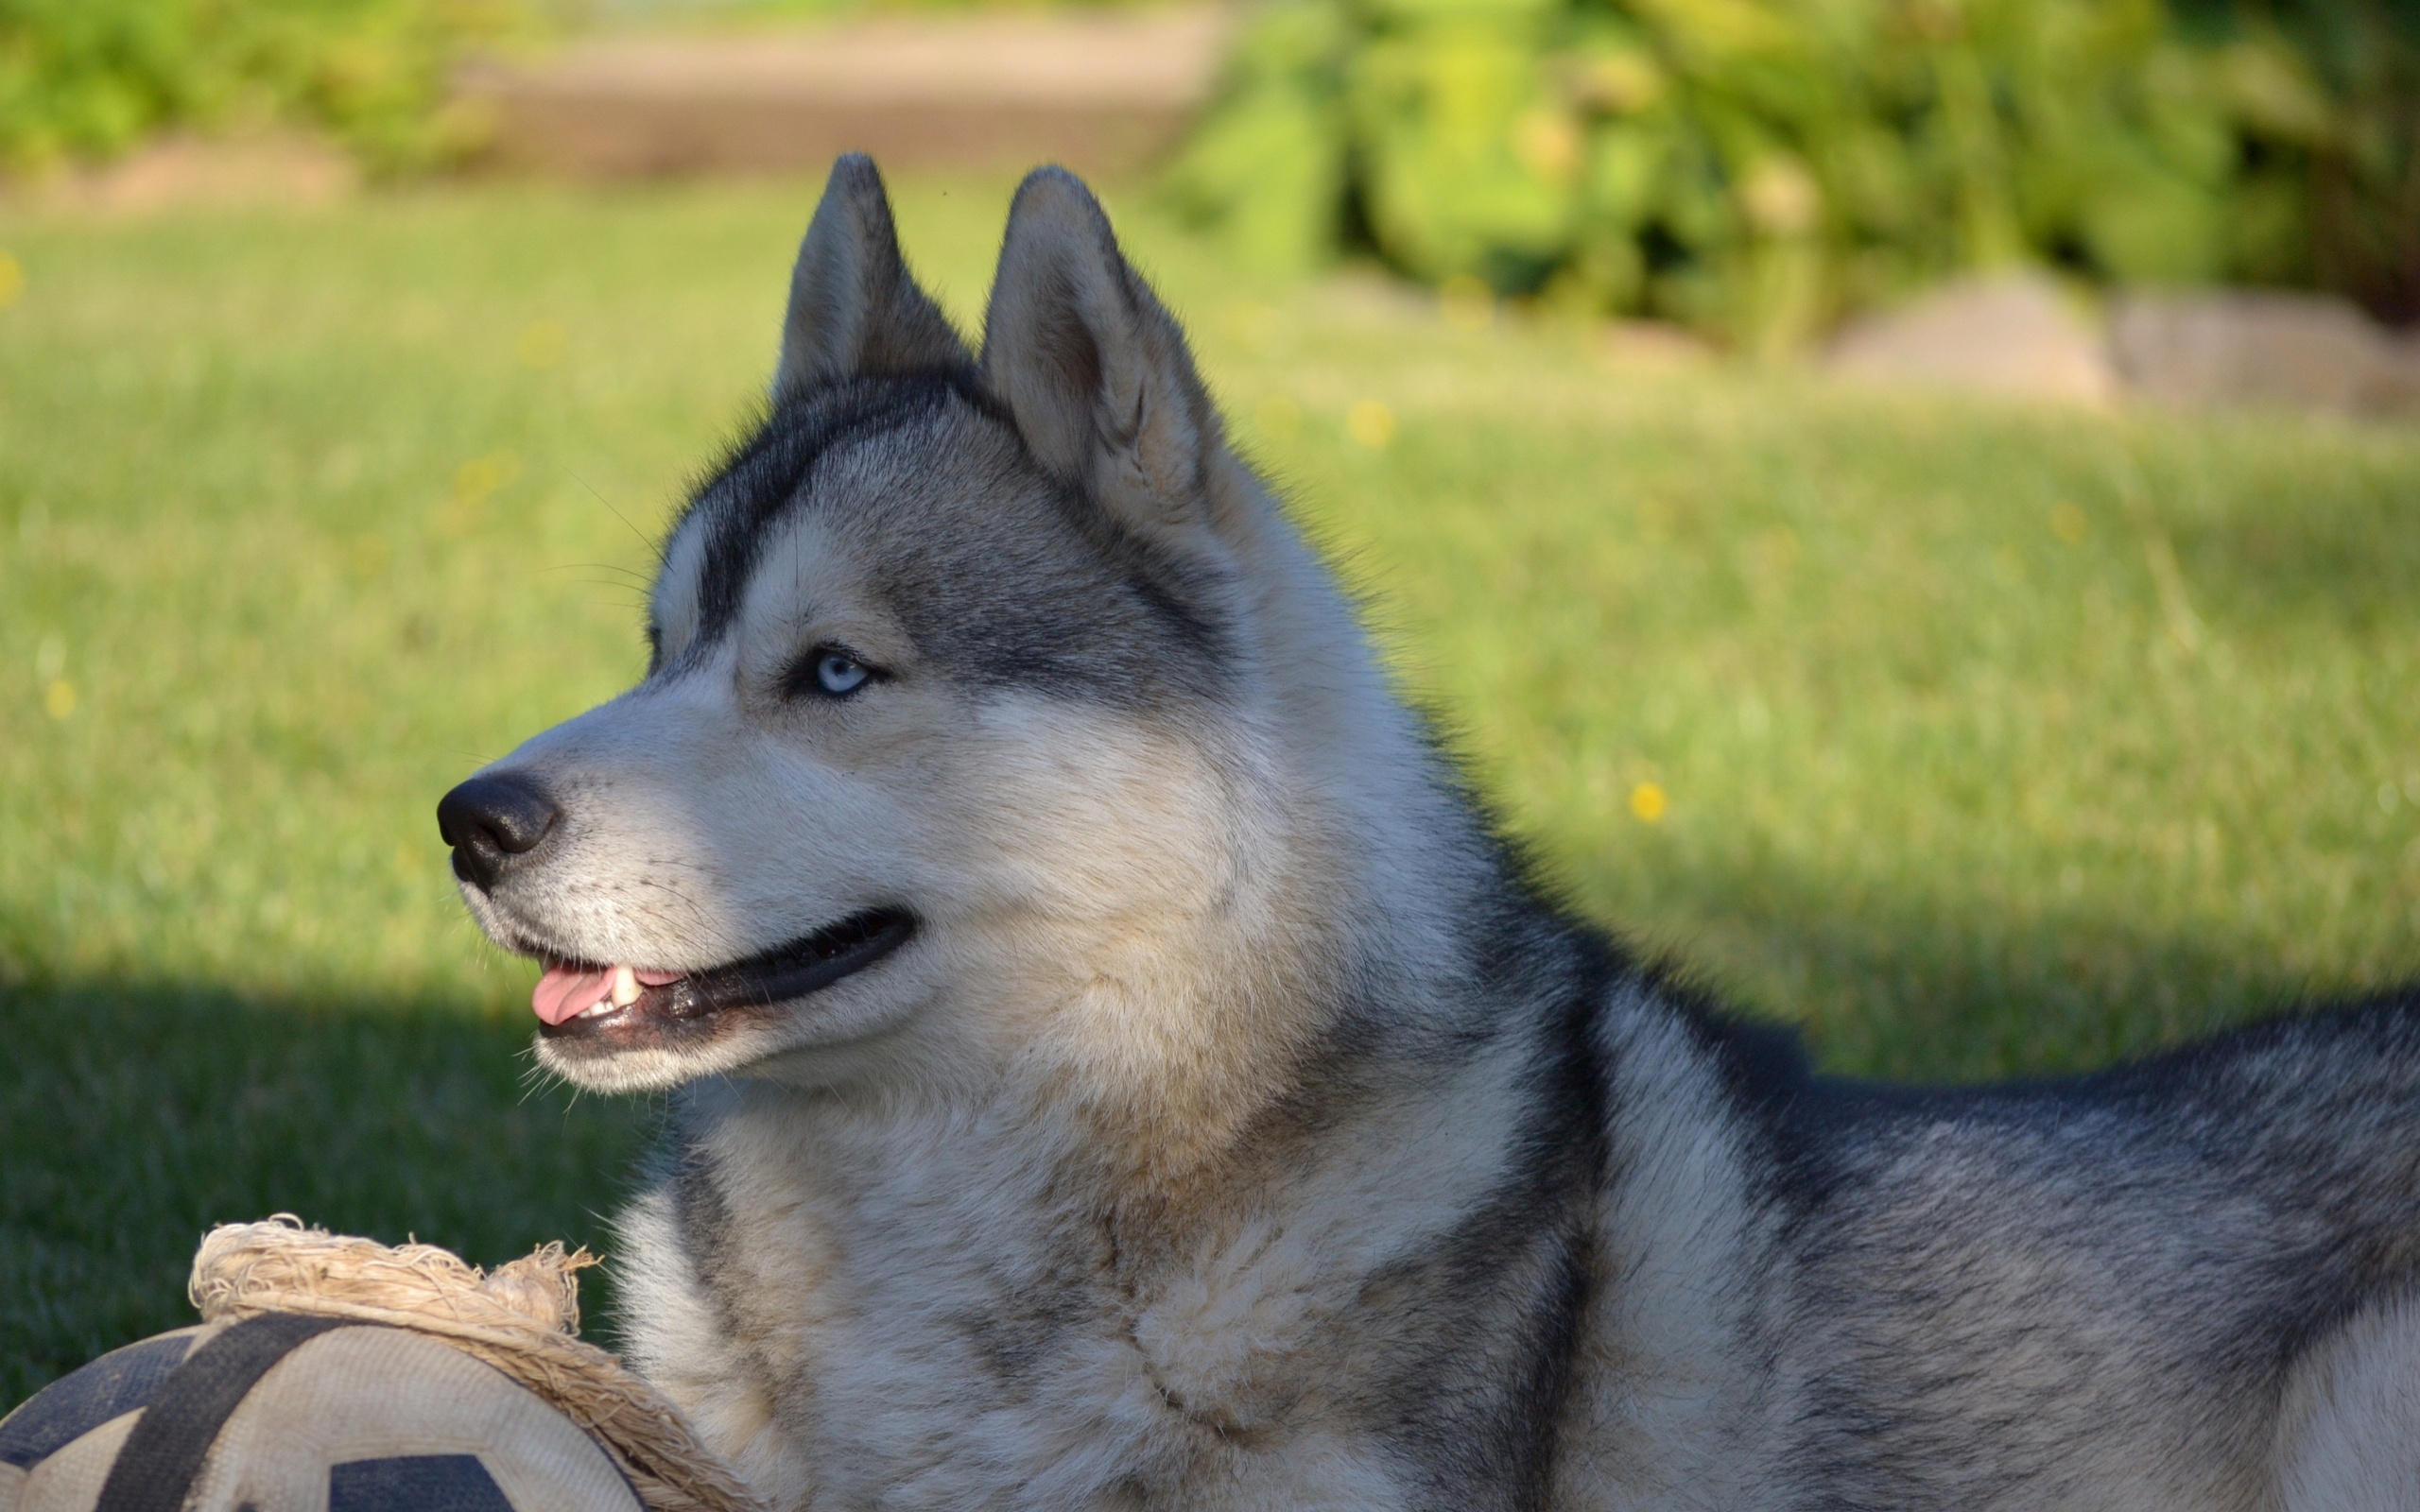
(2016, 334)
(2262, 347)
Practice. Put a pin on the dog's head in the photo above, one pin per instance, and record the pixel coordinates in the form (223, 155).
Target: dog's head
(950, 725)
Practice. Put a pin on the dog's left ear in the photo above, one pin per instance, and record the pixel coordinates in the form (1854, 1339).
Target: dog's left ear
(855, 309)
(1095, 371)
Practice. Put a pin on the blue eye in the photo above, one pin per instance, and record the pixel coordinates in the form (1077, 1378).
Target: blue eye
(839, 674)
(827, 672)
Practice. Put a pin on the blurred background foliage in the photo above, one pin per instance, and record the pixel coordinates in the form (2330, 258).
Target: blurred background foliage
(1754, 167)
(89, 79)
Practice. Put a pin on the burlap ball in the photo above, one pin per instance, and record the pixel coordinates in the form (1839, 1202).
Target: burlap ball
(283, 1411)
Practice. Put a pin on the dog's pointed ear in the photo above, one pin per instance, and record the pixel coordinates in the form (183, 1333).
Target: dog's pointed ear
(855, 309)
(1094, 370)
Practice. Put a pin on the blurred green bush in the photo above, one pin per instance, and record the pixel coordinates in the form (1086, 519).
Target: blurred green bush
(1756, 168)
(88, 79)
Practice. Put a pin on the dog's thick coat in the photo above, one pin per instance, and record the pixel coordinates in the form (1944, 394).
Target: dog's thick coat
(1189, 1103)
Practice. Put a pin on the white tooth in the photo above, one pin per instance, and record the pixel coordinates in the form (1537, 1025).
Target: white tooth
(596, 1010)
(626, 987)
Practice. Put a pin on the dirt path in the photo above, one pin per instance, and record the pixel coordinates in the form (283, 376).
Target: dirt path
(1100, 92)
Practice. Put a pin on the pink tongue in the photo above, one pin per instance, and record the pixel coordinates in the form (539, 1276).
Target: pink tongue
(566, 992)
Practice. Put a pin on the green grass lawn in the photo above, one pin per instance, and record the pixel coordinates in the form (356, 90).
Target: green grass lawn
(1986, 740)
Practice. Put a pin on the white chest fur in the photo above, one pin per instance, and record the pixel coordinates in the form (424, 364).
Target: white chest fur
(932, 1312)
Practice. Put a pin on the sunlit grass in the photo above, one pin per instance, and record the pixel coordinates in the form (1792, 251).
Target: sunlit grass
(1978, 740)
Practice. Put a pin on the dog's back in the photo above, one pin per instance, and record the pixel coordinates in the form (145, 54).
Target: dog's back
(2181, 1283)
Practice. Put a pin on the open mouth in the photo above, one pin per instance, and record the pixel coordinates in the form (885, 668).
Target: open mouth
(583, 1000)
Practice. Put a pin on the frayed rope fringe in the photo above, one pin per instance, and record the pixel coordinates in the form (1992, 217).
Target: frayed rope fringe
(520, 1317)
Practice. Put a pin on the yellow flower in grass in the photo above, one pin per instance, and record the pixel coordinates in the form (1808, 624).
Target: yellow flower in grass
(473, 482)
(1647, 800)
(540, 343)
(1371, 424)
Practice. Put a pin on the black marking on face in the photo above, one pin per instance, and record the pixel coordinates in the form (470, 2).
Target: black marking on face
(762, 478)
(999, 575)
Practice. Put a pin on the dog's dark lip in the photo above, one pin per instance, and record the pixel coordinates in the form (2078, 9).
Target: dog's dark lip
(806, 965)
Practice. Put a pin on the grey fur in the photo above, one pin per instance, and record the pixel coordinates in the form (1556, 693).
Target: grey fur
(1240, 1127)
(855, 311)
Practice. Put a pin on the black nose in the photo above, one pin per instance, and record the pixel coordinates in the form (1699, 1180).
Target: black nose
(488, 819)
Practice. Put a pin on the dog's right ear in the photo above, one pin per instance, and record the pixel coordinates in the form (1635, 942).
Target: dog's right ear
(855, 309)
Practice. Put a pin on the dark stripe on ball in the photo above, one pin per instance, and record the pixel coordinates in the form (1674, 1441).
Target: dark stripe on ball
(74, 1405)
(415, 1483)
(156, 1467)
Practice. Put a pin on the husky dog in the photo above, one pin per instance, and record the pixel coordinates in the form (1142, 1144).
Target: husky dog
(1120, 1068)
